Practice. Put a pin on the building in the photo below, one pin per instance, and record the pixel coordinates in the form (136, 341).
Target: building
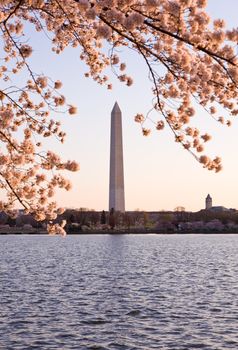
(217, 208)
(208, 204)
(116, 185)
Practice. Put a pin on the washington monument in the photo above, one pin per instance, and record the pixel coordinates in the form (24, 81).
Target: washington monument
(116, 187)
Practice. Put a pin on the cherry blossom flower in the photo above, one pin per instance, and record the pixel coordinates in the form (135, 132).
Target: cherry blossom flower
(72, 110)
(188, 59)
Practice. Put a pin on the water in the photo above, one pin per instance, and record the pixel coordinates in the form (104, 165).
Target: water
(119, 292)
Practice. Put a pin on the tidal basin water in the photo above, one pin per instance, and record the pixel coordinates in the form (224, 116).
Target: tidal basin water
(119, 292)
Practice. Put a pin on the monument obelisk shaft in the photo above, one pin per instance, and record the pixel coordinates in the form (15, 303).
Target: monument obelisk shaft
(116, 187)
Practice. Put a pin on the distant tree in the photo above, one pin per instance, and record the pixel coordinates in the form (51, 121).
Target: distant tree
(71, 219)
(3, 218)
(214, 225)
(165, 217)
(127, 220)
(179, 209)
(103, 218)
(112, 219)
(137, 217)
(83, 217)
(180, 213)
(145, 219)
(188, 59)
(22, 220)
(94, 217)
(11, 221)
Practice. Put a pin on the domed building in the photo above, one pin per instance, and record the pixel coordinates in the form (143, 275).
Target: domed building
(218, 208)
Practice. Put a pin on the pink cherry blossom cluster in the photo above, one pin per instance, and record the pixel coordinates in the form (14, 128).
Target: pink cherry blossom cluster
(25, 120)
(189, 59)
(54, 229)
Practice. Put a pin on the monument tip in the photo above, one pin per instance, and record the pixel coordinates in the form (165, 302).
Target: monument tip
(116, 108)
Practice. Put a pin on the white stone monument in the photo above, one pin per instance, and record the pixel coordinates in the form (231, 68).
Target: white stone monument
(116, 187)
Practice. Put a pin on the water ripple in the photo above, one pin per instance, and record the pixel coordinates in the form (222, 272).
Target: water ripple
(122, 292)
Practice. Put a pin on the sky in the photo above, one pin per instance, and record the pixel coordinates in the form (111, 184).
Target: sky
(159, 174)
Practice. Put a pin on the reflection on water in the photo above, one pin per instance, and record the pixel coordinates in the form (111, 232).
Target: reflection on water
(119, 292)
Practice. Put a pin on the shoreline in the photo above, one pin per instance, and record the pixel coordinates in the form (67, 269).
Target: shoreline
(17, 231)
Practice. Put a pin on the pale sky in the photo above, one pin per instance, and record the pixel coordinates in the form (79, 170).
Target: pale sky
(159, 174)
